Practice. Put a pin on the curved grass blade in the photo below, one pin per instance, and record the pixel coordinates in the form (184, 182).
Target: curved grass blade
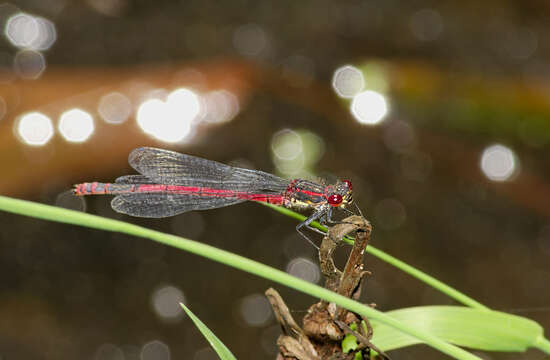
(463, 326)
(219, 347)
(53, 213)
(414, 272)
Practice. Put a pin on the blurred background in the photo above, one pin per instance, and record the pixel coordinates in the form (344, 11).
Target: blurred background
(437, 111)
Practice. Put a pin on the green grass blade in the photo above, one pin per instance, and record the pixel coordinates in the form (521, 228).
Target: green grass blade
(52, 213)
(414, 272)
(219, 347)
(463, 326)
(543, 344)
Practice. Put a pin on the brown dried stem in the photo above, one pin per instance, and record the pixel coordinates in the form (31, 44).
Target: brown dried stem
(325, 325)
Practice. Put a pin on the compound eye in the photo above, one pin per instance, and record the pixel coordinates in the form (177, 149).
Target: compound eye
(348, 184)
(335, 199)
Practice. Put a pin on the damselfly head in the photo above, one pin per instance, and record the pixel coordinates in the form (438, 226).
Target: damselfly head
(340, 194)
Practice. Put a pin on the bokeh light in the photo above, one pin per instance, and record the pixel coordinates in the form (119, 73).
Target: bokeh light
(147, 115)
(166, 302)
(399, 136)
(377, 76)
(109, 352)
(499, 163)
(348, 81)
(369, 107)
(286, 144)
(155, 93)
(269, 340)
(155, 350)
(47, 35)
(30, 32)
(170, 120)
(35, 128)
(287, 149)
(313, 147)
(255, 310)
(305, 269)
(186, 101)
(114, 108)
(29, 64)
(426, 24)
(76, 125)
(519, 43)
(220, 106)
(295, 153)
(21, 30)
(250, 40)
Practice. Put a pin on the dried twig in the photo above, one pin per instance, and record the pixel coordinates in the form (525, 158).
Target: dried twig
(294, 343)
(325, 324)
(350, 283)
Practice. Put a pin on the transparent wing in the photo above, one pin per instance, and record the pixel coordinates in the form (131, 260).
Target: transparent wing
(165, 204)
(134, 179)
(170, 167)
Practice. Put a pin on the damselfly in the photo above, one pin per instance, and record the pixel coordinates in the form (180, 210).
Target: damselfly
(171, 183)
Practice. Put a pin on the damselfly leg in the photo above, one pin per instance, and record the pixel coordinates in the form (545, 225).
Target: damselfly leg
(307, 223)
(325, 216)
(330, 220)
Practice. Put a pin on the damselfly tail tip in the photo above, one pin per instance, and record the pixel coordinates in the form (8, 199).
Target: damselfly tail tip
(79, 189)
(76, 189)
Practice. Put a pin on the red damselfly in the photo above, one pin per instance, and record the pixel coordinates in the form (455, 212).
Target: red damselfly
(171, 183)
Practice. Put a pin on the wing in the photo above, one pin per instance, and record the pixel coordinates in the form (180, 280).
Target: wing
(134, 179)
(158, 205)
(172, 168)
